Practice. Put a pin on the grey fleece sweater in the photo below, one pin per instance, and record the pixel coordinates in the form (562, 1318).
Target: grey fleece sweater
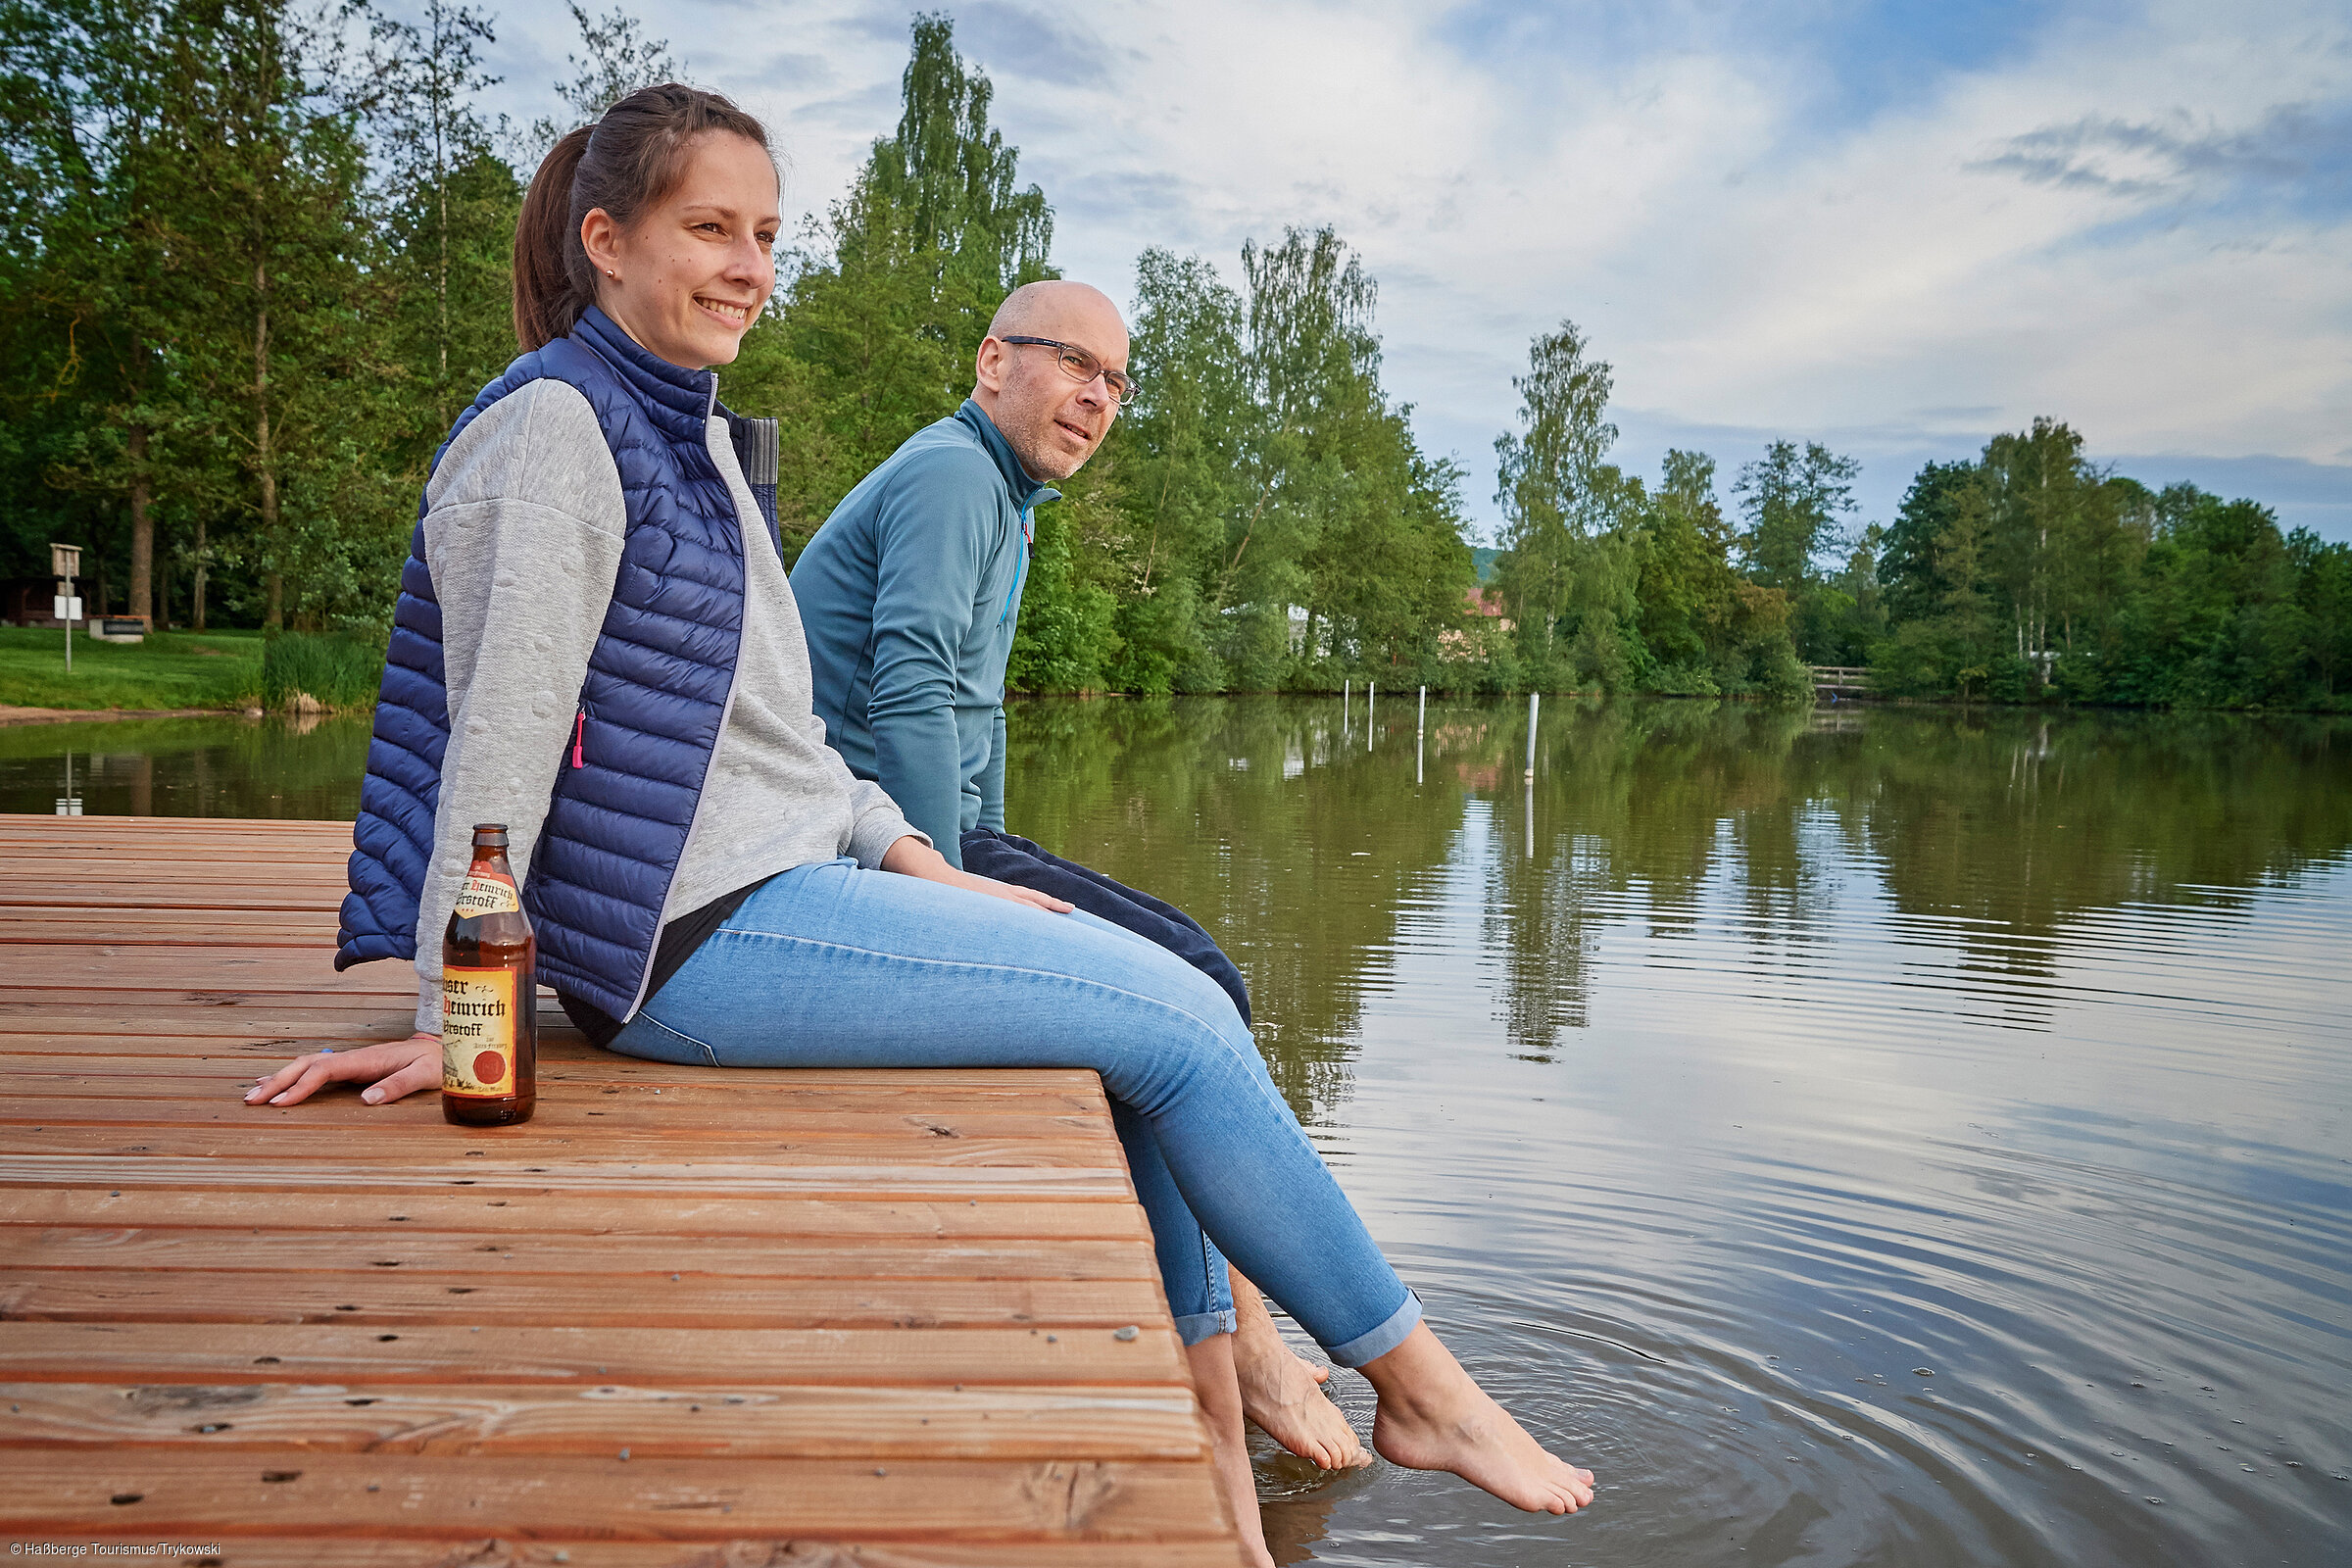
(523, 528)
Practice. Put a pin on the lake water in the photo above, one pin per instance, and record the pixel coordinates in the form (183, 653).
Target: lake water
(1861, 1135)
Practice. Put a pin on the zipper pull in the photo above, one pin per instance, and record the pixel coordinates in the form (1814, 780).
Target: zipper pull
(580, 739)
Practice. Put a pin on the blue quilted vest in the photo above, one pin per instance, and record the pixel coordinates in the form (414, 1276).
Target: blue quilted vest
(658, 684)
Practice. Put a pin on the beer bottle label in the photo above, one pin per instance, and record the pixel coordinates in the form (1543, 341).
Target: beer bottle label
(480, 895)
(478, 1032)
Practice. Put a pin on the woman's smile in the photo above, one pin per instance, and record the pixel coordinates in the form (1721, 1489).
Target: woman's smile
(731, 315)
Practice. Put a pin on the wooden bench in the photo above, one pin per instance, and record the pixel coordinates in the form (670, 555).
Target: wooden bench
(685, 1316)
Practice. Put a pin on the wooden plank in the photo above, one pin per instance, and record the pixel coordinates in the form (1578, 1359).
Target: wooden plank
(589, 1300)
(79, 966)
(121, 894)
(378, 1218)
(490, 1552)
(108, 1025)
(465, 1255)
(711, 1113)
(549, 1353)
(602, 1073)
(247, 1132)
(196, 1494)
(714, 1180)
(1146, 1421)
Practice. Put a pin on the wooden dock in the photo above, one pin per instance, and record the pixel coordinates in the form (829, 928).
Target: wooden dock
(806, 1318)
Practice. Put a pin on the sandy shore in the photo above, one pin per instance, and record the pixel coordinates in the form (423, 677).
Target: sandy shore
(59, 715)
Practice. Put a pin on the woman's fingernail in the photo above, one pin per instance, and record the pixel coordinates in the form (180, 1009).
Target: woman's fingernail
(371, 1095)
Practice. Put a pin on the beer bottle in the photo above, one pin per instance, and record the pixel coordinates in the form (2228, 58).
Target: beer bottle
(489, 995)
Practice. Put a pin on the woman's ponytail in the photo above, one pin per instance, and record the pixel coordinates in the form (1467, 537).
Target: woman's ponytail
(630, 159)
(547, 301)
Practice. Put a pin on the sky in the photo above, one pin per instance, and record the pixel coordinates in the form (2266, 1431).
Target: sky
(1892, 228)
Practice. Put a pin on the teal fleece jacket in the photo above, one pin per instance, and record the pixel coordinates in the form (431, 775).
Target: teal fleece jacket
(910, 595)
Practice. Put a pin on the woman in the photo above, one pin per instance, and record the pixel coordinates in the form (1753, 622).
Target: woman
(596, 644)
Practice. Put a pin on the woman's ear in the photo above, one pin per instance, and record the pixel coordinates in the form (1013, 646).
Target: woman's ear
(600, 238)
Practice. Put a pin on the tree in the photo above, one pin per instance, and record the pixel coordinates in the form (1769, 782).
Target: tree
(618, 60)
(270, 247)
(86, 151)
(445, 206)
(880, 316)
(1570, 565)
(1547, 481)
(1183, 442)
(954, 182)
(1792, 500)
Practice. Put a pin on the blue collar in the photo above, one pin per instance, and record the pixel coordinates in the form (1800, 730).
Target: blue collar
(1026, 492)
(680, 400)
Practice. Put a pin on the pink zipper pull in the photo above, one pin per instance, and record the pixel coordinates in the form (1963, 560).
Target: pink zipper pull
(579, 738)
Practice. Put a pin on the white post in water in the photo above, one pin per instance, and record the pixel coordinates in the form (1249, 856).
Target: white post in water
(1371, 696)
(1532, 700)
(1347, 697)
(1420, 729)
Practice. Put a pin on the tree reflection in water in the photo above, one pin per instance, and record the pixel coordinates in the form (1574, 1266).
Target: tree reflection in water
(1304, 855)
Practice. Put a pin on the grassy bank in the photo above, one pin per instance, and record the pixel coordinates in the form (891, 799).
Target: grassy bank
(170, 670)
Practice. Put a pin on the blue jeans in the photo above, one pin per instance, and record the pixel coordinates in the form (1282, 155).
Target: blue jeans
(1017, 860)
(828, 965)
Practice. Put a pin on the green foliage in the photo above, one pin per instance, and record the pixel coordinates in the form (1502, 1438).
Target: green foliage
(2032, 576)
(334, 672)
(1614, 587)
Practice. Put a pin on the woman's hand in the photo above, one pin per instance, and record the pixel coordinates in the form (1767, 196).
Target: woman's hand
(911, 857)
(398, 1067)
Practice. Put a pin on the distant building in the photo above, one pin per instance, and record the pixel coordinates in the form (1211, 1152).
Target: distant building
(1483, 606)
(1486, 605)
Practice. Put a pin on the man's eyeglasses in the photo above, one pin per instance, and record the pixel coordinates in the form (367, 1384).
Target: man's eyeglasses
(1080, 366)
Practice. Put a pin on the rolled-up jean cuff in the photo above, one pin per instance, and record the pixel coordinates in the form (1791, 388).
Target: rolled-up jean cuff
(1196, 1326)
(1379, 1342)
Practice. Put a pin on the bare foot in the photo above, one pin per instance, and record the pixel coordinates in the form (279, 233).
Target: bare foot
(1281, 1389)
(1283, 1392)
(1229, 1451)
(1433, 1417)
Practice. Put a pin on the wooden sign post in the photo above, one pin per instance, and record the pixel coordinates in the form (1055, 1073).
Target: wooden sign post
(65, 561)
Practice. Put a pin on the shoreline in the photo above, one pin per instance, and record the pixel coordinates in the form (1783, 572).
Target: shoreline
(12, 714)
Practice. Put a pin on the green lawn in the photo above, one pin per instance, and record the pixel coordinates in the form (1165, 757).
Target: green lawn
(170, 670)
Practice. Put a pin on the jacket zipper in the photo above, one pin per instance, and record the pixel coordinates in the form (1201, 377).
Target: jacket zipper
(579, 740)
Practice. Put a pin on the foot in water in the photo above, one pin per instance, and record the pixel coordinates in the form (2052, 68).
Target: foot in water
(1282, 1391)
(1434, 1417)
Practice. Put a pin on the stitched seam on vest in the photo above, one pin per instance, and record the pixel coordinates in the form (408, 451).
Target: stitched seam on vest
(647, 734)
(600, 847)
(656, 647)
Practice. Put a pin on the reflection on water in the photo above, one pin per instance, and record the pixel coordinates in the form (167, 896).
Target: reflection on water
(302, 769)
(1870, 1136)
(1863, 1137)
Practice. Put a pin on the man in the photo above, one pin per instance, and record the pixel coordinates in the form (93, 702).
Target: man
(911, 595)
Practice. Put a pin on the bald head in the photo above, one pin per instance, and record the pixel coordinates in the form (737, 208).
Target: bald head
(1031, 310)
(1053, 423)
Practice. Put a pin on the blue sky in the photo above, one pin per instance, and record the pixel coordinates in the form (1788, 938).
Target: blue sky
(1894, 229)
